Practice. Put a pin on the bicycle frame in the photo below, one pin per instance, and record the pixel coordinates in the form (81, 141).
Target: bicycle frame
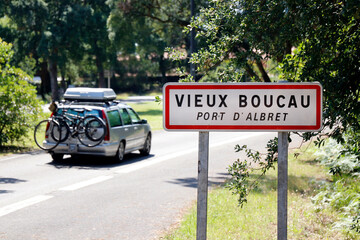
(71, 120)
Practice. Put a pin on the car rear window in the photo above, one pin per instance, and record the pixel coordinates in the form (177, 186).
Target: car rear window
(75, 111)
(114, 118)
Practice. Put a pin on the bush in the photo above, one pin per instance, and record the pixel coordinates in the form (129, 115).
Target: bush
(18, 103)
(343, 192)
(338, 157)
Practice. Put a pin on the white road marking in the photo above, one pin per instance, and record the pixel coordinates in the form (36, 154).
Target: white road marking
(86, 183)
(14, 156)
(146, 163)
(40, 198)
(127, 169)
(23, 204)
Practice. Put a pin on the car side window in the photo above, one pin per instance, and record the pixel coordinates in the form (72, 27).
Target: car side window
(134, 117)
(125, 117)
(114, 118)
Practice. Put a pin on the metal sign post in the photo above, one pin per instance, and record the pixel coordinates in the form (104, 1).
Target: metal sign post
(282, 185)
(202, 195)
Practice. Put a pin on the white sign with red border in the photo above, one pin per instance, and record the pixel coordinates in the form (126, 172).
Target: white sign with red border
(242, 106)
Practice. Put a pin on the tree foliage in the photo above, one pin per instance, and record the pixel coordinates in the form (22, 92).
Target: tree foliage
(241, 170)
(308, 40)
(156, 24)
(18, 103)
(149, 27)
(246, 34)
(60, 33)
(312, 41)
(330, 53)
(89, 37)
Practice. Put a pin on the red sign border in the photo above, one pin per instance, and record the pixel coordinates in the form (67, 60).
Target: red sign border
(219, 86)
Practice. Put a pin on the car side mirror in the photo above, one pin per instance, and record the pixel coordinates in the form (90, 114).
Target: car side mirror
(143, 121)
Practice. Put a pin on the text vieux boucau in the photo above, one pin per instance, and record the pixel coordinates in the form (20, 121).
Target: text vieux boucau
(254, 101)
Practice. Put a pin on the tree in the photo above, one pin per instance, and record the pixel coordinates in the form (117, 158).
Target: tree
(154, 25)
(56, 32)
(330, 53)
(72, 32)
(63, 28)
(96, 35)
(18, 103)
(41, 28)
(313, 41)
(245, 34)
(309, 40)
(24, 27)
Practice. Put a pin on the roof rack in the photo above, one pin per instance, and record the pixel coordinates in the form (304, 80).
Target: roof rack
(91, 103)
(82, 94)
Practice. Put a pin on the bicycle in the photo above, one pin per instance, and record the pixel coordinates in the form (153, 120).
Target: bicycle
(90, 130)
(42, 132)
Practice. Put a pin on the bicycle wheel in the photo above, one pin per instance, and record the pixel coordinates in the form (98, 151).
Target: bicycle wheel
(43, 132)
(91, 131)
(62, 133)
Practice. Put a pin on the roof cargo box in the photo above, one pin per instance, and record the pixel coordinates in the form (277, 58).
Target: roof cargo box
(89, 94)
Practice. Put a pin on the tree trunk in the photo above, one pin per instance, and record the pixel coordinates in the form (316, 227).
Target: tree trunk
(45, 86)
(63, 82)
(264, 75)
(100, 69)
(53, 80)
(251, 72)
(162, 68)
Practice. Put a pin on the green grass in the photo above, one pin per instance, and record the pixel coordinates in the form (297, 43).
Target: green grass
(151, 111)
(129, 94)
(26, 144)
(258, 218)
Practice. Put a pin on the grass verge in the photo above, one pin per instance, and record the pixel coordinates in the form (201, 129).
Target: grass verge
(151, 111)
(26, 144)
(258, 218)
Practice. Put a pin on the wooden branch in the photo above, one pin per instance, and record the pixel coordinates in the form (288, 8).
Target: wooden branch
(264, 75)
(251, 72)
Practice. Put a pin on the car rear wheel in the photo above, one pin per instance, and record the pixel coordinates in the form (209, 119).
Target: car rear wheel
(120, 154)
(57, 157)
(147, 146)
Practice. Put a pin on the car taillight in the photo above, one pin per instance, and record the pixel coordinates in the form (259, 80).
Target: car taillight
(107, 136)
(47, 128)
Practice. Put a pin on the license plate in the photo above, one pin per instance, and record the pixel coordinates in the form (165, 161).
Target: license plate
(72, 148)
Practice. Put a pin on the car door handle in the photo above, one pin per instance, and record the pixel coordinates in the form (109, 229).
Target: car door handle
(126, 129)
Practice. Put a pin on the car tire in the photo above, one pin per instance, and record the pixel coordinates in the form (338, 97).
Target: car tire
(120, 154)
(147, 146)
(57, 157)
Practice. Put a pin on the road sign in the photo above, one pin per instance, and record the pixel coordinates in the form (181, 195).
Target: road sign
(205, 107)
(242, 106)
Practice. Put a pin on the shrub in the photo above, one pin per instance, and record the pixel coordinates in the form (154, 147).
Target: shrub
(18, 103)
(343, 192)
(338, 158)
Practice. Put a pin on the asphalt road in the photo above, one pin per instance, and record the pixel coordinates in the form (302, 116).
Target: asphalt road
(93, 198)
